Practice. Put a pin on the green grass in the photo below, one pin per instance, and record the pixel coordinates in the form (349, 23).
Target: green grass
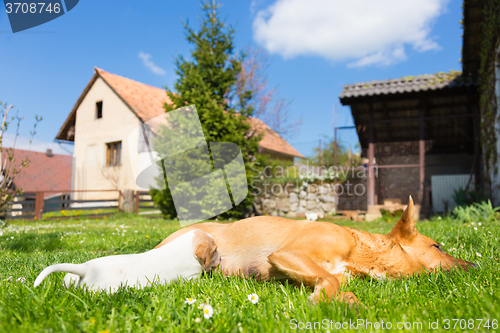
(28, 247)
(77, 213)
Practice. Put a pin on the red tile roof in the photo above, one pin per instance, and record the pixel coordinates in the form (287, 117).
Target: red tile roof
(272, 140)
(44, 173)
(147, 102)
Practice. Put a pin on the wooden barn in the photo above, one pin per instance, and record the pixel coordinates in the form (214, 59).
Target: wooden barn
(421, 134)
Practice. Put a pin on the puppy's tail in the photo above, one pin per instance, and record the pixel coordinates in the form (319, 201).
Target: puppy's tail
(79, 270)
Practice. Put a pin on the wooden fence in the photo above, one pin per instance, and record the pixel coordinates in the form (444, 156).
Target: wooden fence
(143, 202)
(33, 205)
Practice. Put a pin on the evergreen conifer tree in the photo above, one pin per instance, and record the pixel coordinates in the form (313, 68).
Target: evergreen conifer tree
(207, 79)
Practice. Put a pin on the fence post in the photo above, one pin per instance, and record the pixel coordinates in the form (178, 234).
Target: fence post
(39, 205)
(136, 206)
(120, 202)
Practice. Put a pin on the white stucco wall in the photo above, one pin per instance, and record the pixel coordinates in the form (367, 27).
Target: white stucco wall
(91, 136)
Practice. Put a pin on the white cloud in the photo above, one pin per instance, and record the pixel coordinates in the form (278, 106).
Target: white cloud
(366, 31)
(151, 65)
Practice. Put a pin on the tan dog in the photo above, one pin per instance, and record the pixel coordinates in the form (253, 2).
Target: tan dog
(318, 254)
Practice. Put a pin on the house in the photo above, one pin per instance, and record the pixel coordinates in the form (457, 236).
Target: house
(105, 114)
(47, 172)
(424, 131)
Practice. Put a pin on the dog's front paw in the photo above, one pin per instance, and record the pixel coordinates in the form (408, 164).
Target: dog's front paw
(351, 299)
(321, 295)
(346, 297)
(312, 298)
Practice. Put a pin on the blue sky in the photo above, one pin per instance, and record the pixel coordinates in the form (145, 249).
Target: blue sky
(315, 47)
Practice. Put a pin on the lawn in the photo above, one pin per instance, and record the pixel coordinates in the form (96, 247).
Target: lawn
(416, 303)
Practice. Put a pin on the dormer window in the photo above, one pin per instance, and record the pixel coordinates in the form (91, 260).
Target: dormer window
(98, 108)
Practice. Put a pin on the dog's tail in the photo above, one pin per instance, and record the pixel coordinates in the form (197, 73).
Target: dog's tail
(78, 269)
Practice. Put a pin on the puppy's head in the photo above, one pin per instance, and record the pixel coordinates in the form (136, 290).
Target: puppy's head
(205, 250)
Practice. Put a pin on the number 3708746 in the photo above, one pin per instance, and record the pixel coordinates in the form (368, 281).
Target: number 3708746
(32, 8)
(470, 324)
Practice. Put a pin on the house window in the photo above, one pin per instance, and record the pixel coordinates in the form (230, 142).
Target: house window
(113, 153)
(98, 108)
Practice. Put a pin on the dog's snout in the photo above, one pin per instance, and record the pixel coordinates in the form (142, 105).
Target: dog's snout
(466, 265)
(473, 265)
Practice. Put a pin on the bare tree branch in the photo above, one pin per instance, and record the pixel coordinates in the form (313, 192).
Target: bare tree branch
(266, 102)
(8, 167)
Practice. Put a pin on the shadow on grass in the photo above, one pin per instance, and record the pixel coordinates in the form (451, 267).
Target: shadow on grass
(33, 242)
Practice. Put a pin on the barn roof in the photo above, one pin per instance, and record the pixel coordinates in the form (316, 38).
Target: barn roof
(407, 84)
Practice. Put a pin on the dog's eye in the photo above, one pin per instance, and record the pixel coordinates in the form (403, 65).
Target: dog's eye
(437, 246)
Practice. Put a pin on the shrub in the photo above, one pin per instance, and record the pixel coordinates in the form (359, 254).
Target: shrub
(464, 197)
(477, 212)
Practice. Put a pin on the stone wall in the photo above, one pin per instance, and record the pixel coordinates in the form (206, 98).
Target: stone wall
(293, 202)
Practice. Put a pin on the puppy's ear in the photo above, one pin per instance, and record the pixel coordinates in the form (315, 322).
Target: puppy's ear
(201, 245)
(202, 252)
(405, 228)
(214, 254)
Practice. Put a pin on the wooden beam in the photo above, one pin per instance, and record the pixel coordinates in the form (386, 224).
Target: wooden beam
(371, 176)
(136, 202)
(421, 150)
(39, 203)
(371, 155)
(477, 147)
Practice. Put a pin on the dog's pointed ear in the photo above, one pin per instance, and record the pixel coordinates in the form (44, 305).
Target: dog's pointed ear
(405, 228)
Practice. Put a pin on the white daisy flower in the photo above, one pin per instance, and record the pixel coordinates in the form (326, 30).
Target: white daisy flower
(475, 228)
(189, 301)
(208, 311)
(478, 254)
(197, 320)
(201, 306)
(254, 298)
(22, 279)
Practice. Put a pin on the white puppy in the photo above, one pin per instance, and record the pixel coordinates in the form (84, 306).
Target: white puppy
(313, 216)
(185, 257)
